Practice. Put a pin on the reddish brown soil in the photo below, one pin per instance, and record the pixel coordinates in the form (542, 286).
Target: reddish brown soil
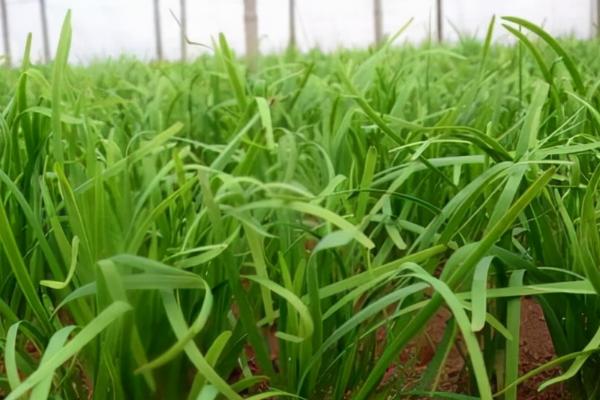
(536, 349)
(535, 343)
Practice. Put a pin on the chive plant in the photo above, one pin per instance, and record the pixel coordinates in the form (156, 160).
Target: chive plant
(201, 231)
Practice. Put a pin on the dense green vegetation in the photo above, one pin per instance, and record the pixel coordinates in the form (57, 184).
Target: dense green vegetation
(201, 231)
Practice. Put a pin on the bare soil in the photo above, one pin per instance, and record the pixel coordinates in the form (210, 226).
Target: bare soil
(536, 349)
(535, 343)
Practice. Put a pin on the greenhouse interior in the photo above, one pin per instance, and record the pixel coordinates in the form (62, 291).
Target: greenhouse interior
(300, 199)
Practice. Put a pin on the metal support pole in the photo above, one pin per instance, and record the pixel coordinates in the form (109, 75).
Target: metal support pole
(45, 39)
(183, 16)
(251, 28)
(157, 30)
(596, 15)
(440, 21)
(378, 21)
(292, 20)
(5, 31)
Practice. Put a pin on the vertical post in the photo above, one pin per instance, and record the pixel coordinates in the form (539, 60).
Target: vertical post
(440, 21)
(183, 17)
(378, 21)
(596, 15)
(292, 21)
(157, 30)
(251, 28)
(46, 42)
(5, 31)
